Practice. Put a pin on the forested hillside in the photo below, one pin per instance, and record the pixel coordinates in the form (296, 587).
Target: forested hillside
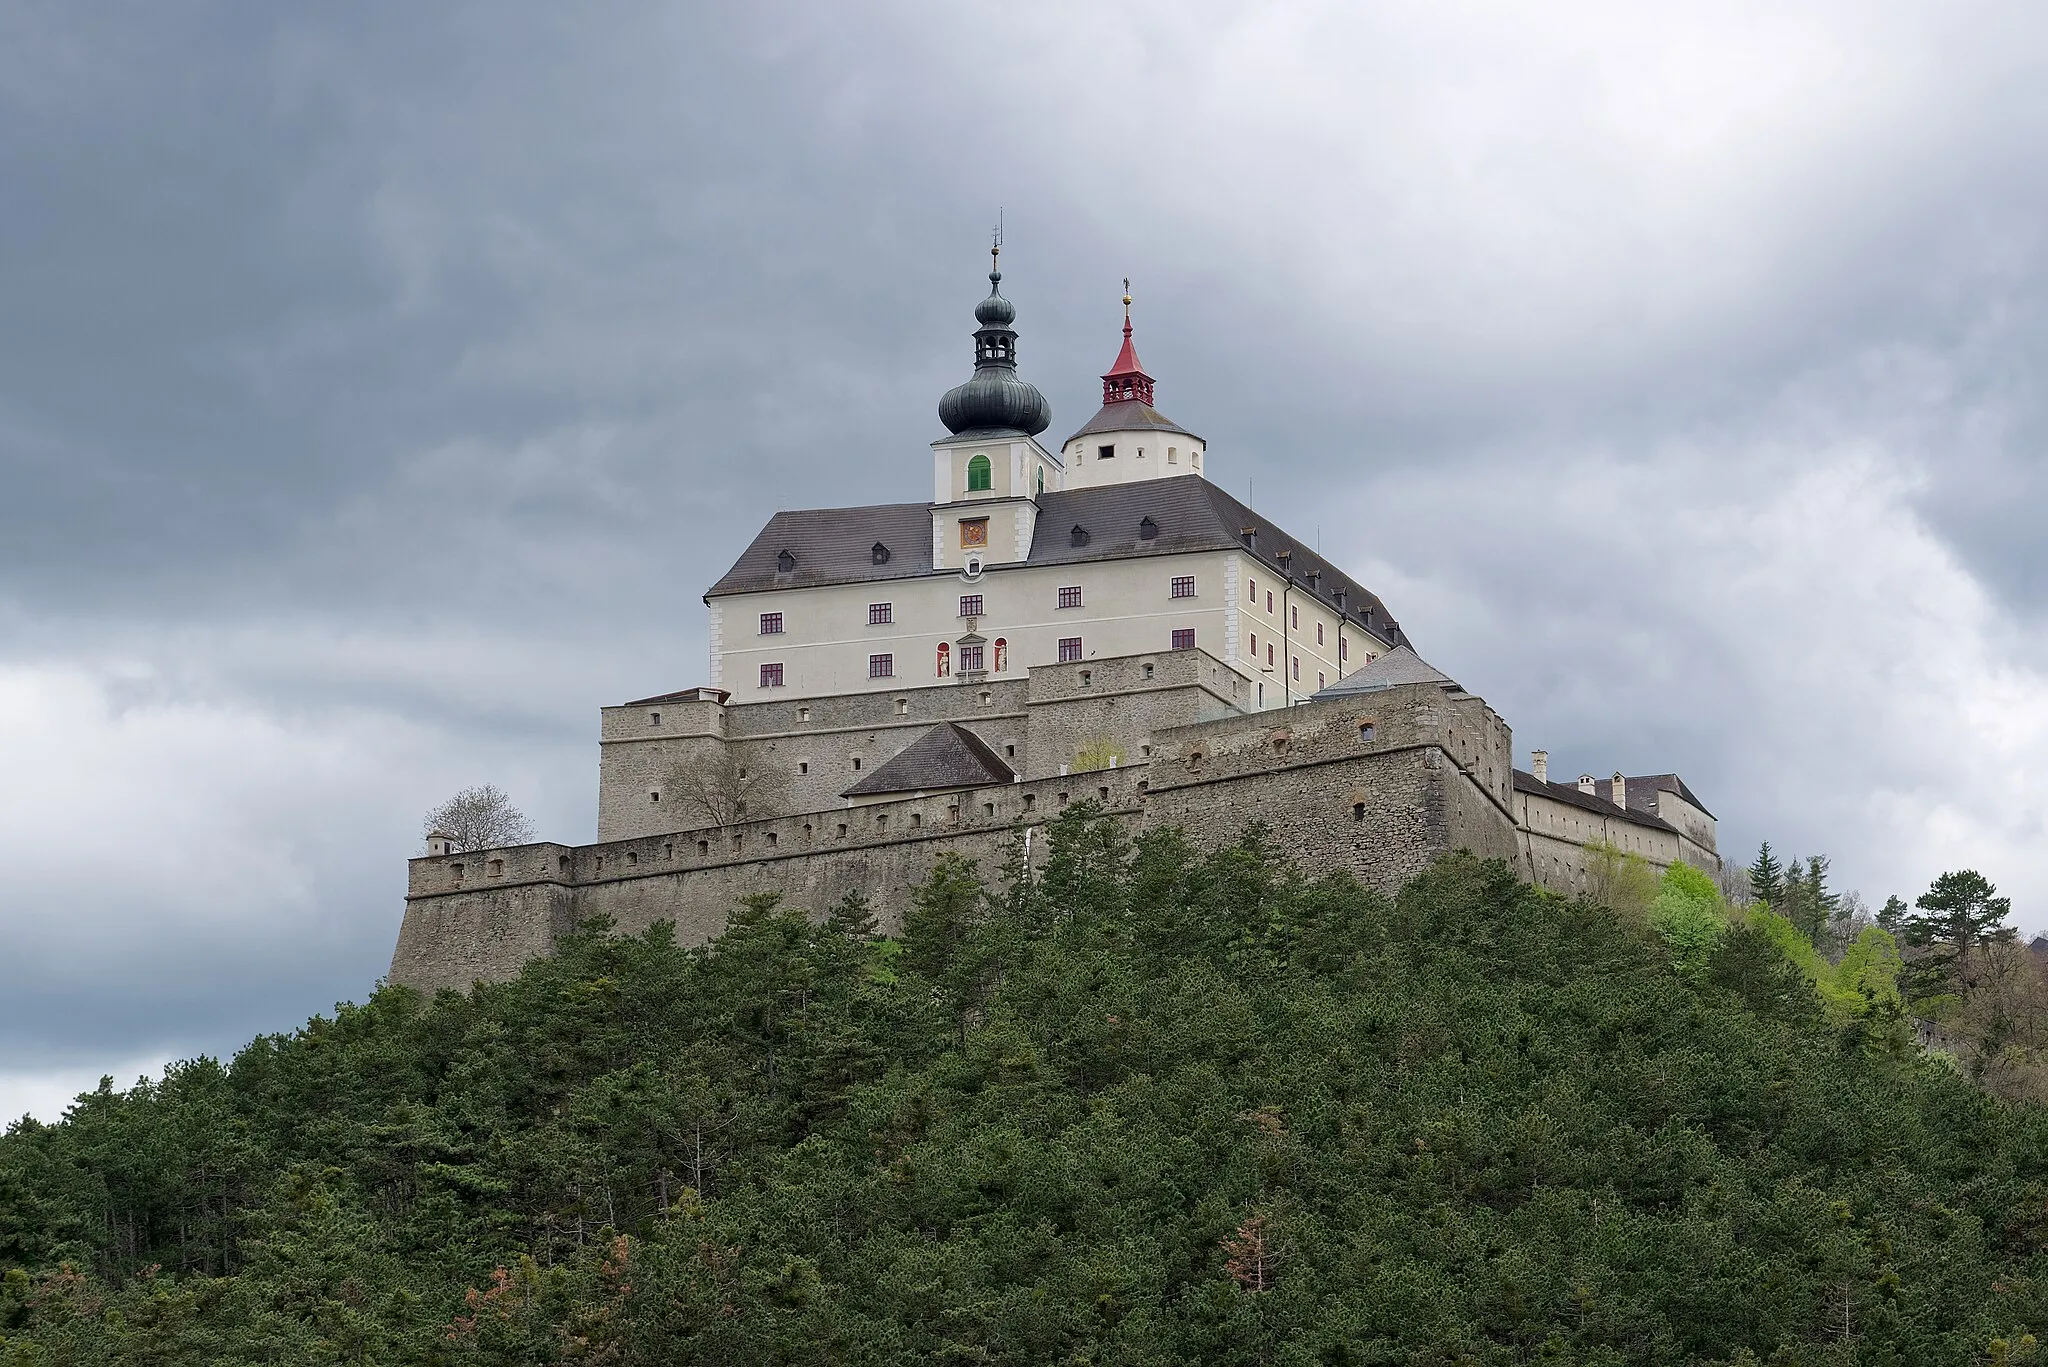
(1145, 1106)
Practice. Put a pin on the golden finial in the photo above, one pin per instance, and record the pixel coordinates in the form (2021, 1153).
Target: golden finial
(1127, 291)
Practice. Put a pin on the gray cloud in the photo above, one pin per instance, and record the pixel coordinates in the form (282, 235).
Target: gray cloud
(379, 389)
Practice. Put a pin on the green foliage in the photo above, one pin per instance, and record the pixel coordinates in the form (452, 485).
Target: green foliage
(1689, 916)
(1959, 918)
(1133, 1103)
(1620, 880)
(1099, 753)
(1767, 877)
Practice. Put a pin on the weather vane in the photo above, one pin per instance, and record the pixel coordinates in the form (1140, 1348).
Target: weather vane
(996, 247)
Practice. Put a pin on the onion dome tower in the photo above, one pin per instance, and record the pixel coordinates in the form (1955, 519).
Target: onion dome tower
(1129, 439)
(995, 400)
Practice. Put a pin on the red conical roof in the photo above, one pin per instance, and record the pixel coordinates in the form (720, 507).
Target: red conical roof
(1127, 381)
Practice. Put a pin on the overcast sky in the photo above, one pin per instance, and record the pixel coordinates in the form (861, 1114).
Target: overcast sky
(381, 385)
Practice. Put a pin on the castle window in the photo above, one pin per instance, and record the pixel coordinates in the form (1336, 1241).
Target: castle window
(784, 562)
(771, 624)
(978, 475)
(771, 840)
(654, 718)
(771, 676)
(842, 830)
(1147, 529)
(1196, 457)
(970, 605)
(1319, 633)
(703, 847)
(1070, 597)
(881, 614)
(654, 797)
(1251, 587)
(803, 766)
(562, 864)
(497, 868)
(1009, 752)
(456, 870)
(1297, 669)
(881, 666)
(1087, 677)
(1365, 730)
(1141, 453)
(1321, 681)
(973, 531)
(1173, 455)
(1184, 586)
(1269, 600)
(632, 860)
(1063, 799)
(1070, 649)
(917, 821)
(1030, 801)
(1269, 654)
(1294, 614)
(970, 658)
(879, 553)
(1078, 536)
(988, 809)
(1184, 638)
(1145, 669)
(1343, 650)
(1358, 811)
(803, 714)
(856, 764)
(1104, 452)
(903, 707)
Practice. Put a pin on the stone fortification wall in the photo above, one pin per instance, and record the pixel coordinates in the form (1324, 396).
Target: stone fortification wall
(801, 754)
(1379, 790)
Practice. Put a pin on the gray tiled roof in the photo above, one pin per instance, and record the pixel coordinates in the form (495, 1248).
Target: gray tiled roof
(1569, 794)
(832, 545)
(1398, 666)
(1128, 415)
(1642, 785)
(947, 756)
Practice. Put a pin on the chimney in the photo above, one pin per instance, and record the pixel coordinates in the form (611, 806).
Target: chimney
(1620, 790)
(1539, 765)
(1586, 784)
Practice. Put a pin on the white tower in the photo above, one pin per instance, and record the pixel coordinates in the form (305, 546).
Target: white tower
(1129, 439)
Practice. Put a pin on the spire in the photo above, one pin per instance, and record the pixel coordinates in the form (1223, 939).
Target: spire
(1127, 380)
(995, 399)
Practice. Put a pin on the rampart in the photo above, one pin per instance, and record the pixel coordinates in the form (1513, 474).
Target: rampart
(1377, 788)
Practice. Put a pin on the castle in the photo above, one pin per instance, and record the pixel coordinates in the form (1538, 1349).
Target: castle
(896, 682)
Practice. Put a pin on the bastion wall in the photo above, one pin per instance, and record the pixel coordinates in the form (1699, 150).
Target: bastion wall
(1377, 788)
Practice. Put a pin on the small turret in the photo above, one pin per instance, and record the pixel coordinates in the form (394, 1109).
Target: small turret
(1129, 439)
(439, 843)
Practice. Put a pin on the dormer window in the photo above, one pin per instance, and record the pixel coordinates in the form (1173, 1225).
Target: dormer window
(879, 554)
(1147, 529)
(1078, 536)
(784, 562)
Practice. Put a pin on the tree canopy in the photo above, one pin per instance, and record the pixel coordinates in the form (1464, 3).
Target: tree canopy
(1129, 1104)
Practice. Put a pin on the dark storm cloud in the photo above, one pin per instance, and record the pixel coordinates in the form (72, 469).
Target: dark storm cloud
(380, 386)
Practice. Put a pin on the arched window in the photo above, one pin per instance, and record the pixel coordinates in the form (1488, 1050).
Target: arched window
(945, 659)
(1002, 654)
(978, 474)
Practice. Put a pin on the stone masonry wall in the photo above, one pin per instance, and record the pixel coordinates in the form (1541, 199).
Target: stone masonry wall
(1380, 803)
(802, 753)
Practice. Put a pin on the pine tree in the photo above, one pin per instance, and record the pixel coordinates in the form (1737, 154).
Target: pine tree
(1892, 915)
(1767, 878)
(1960, 913)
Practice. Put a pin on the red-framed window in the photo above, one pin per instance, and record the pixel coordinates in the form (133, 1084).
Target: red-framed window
(1269, 654)
(881, 666)
(771, 624)
(1070, 596)
(1070, 649)
(970, 657)
(1319, 633)
(970, 605)
(881, 614)
(1183, 586)
(1184, 638)
(1251, 590)
(771, 676)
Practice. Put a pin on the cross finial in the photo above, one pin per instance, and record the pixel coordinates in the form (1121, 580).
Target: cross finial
(995, 249)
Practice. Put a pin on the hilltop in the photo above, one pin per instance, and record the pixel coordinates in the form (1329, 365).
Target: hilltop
(1147, 1106)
